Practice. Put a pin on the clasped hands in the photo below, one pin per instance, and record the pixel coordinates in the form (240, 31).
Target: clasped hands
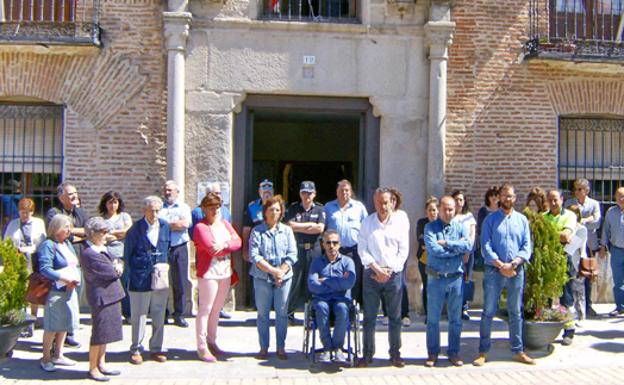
(381, 274)
(507, 270)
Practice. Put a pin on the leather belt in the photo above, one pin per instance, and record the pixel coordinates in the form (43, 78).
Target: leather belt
(306, 246)
(436, 274)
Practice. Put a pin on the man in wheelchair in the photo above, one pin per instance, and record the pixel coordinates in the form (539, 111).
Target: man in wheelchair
(330, 281)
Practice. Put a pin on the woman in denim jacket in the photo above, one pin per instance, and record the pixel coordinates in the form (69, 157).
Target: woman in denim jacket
(272, 252)
(58, 263)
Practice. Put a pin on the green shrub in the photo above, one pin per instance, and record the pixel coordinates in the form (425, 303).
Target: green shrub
(13, 284)
(546, 272)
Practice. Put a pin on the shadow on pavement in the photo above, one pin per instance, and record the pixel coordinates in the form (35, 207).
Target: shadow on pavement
(611, 347)
(602, 334)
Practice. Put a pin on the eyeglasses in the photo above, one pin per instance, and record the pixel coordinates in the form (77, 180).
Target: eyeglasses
(332, 242)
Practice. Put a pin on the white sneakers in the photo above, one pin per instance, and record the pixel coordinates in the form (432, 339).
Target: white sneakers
(47, 366)
(406, 322)
(63, 361)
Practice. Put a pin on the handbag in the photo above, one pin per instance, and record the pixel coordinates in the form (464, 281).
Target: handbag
(589, 269)
(38, 285)
(234, 278)
(160, 276)
(38, 289)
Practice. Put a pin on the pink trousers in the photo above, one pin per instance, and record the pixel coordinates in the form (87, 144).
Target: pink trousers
(212, 294)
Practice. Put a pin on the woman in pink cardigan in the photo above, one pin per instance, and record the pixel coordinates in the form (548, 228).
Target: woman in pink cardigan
(215, 240)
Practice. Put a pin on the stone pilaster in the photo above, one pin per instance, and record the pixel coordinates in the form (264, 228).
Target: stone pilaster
(176, 29)
(439, 35)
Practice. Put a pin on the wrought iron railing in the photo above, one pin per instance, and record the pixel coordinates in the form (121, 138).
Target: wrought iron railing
(72, 22)
(576, 29)
(331, 11)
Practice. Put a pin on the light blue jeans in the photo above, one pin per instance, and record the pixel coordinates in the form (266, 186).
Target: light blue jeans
(266, 294)
(493, 284)
(439, 290)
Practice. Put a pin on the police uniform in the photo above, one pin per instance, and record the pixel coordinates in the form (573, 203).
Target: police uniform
(253, 215)
(308, 247)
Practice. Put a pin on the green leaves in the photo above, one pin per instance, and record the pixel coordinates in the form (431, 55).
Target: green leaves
(547, 272)
(13, 284)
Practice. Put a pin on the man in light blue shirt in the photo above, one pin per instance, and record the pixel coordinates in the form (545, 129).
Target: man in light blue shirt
(446, 241)
(178, 215)
(345, 216)
(613, 240)
(590, 218)
(506, 246)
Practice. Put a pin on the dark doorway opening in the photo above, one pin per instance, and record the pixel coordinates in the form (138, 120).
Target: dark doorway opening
(289, 139)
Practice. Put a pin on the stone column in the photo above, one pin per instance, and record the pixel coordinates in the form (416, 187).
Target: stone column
(439, 34)
(176, 27)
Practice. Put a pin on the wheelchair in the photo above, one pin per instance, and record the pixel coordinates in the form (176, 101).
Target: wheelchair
(352, 337)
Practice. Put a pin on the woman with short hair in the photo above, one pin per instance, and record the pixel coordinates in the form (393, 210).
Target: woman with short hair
(272, 252)
(104, 292)
(57, 262)
(26, 232)
(215, 240)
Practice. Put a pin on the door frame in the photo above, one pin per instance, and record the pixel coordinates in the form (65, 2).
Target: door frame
(369, 156)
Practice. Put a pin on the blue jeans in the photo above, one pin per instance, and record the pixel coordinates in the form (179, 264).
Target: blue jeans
(493, 284)
(439, 290)
(323, 309)
(391, 294)
(617, 268)
(267, 294)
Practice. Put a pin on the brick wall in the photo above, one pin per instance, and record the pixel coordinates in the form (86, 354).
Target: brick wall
(115, 122)
(503, 111)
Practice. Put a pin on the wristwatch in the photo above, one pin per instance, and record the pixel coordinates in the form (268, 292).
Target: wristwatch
(514, 264)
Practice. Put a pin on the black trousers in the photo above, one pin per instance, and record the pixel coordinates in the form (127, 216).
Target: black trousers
(178, 275)
(299, 293)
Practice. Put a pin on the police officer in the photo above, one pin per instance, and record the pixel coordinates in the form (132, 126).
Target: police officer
(307, 220)
(253, 213)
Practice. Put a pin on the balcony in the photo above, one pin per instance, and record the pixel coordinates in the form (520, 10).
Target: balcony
(47, 23)
(322, 11)
(576, 30)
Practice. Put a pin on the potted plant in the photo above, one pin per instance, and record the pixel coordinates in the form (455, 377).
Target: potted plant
(545, 275)
(13, 284)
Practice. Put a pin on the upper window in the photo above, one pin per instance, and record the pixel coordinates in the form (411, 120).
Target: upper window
(586, 19)
(336, 11)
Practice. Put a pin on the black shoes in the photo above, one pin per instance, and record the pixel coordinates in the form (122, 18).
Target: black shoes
(180, 322)
(70, 342)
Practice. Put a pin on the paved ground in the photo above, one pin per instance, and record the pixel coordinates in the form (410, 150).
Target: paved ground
(595, 357)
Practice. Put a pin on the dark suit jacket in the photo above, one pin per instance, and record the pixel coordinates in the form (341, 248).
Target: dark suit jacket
(140, 256)
(103, 285)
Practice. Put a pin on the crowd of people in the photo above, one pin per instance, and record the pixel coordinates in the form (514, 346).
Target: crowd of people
(332, 256)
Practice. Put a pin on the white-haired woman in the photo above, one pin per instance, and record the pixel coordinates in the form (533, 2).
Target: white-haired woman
(58, 263)
(104, 292)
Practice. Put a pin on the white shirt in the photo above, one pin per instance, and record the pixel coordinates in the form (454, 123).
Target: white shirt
(152, 232)
(386, 244)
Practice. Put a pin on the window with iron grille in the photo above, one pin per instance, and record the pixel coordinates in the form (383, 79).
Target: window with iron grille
(31, 156)
(586, 20)
(333, 11)
(592, 149)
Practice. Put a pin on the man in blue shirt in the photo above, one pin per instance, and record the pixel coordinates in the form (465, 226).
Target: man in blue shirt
(177, 214)
(331, 277)
(345, 216)
(446, 241)
(253, 213)
(613, 240)
(505, 246)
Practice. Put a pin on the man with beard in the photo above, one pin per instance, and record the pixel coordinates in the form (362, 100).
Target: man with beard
(506, 246)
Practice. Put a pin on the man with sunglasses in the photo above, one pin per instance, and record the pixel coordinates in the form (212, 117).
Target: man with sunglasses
(330, 281)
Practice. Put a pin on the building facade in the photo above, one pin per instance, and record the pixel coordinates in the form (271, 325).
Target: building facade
(82, 93)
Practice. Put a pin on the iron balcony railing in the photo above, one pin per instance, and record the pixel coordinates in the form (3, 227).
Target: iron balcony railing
(49, 22)
(584, 30)
(330, 11)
